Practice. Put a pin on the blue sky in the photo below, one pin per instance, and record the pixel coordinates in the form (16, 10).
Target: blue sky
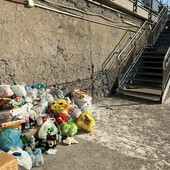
(164, 1)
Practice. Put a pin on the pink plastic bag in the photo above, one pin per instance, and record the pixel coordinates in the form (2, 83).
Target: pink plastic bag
(5, 91)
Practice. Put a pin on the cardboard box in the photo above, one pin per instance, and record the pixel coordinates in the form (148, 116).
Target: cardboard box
(4, 101)
(8, 162)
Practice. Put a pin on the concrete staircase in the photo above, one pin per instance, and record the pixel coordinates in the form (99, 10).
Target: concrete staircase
(144, 79)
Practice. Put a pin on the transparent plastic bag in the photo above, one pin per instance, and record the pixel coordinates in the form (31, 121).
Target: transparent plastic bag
(24, 160)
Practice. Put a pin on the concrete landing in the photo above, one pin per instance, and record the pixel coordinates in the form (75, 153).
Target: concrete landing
(130, 134)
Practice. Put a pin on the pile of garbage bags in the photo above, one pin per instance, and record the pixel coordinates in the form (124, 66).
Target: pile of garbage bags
(58, 117)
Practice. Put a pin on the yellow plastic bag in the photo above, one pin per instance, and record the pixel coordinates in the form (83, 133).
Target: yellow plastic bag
(86, 121)
(60, 106)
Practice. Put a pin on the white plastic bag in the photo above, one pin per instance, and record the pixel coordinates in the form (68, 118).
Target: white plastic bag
(83, 102)
(47, 126)
(24, 160)
(19, 90)
(23, 111)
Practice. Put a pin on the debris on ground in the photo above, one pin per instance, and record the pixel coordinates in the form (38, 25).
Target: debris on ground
(54, 117)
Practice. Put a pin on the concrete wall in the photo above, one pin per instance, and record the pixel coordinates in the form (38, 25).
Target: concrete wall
(42, 46)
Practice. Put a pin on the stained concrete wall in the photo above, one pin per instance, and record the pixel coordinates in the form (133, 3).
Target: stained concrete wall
(42, 46)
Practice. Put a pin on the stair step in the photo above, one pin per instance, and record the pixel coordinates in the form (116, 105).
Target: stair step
(142, 95)
(155, 54)
(165, 46)
(151, 62)
(167, 28)
(143, 89)
(164, 31)
(162, 43)
(163, 40)
(164, 35)
(146, 67)
(155, 49)
(149, 73)
(145, 79)
(152, 58)
(131, 85)
(159, 81)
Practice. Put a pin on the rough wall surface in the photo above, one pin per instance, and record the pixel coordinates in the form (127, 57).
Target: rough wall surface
(38, 45)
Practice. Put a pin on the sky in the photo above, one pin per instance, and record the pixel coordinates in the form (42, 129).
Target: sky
(164, 1)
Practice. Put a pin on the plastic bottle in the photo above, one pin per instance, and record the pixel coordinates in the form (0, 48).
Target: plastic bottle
(60, 94)
(39, 121)
(39, 160)
(26, 127)
(29, 151)
(33, 145)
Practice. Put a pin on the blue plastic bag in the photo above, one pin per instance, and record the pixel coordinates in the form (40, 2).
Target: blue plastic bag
(10, 138)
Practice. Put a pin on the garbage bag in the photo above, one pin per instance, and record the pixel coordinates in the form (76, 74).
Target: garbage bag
(19, 90)
(86, 121)
(6, 91)
(60, 106)
(47, 126)
(10, 138)
(23, 158)
(68, 129)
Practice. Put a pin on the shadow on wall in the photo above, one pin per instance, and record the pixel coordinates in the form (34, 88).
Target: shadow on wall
(104, 82)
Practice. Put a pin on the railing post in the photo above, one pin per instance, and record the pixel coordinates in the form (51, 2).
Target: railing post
(135, 5)
(119, 71)
(134, 51)
(150, 10)
(147, 34)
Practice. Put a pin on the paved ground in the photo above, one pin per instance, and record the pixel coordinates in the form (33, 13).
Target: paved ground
(131, 135)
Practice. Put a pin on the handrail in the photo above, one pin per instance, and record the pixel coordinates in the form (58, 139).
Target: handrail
(152, 8)
(130, 42)
(128, 50)
(166, 69)
(160, 14)
(113, 51)
(158, 26)
(139, 42)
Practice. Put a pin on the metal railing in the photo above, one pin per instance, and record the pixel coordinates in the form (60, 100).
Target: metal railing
(140, 40)
(151, 6)
(109, 66)
(131, 50)
(166, 70)
(157, 26)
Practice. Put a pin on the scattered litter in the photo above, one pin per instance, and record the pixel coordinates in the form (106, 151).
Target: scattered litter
(51, 151)
(70, 140)
(24, 159)
(55, 117)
